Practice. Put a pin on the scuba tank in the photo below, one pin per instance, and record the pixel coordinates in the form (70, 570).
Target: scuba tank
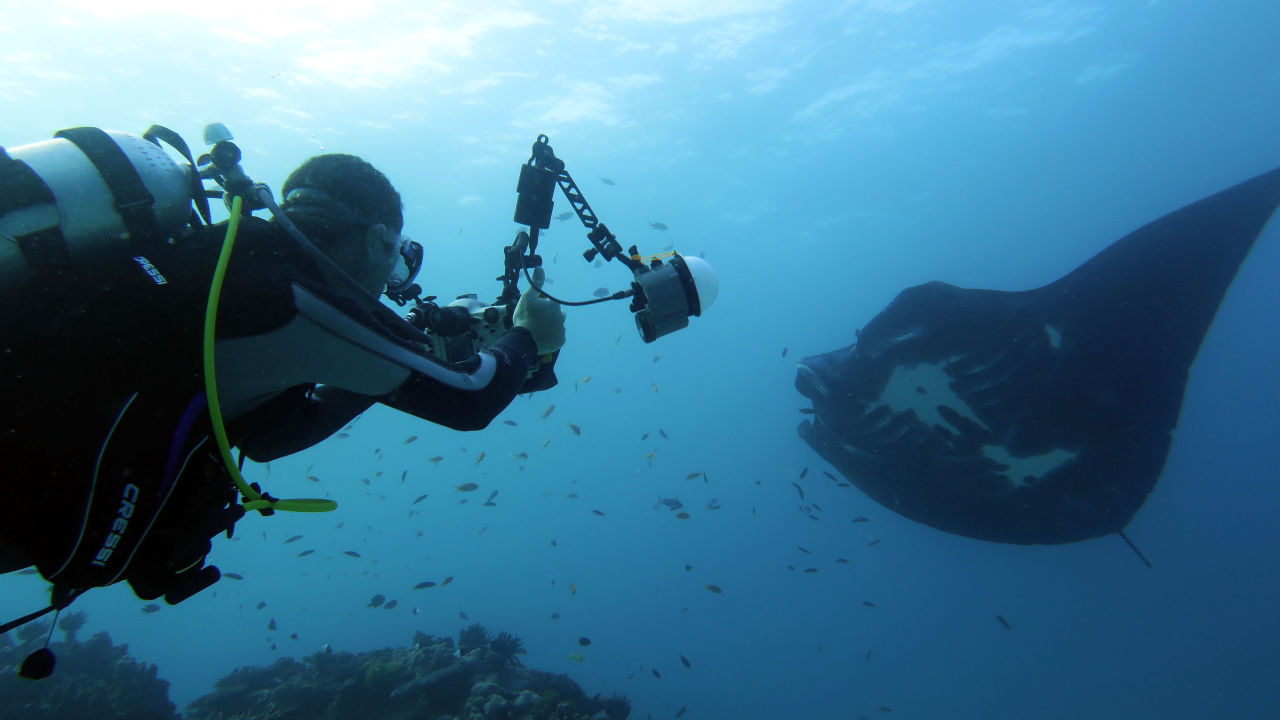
(90, 194)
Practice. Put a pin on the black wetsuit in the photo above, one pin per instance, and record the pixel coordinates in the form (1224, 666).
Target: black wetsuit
(102, 394)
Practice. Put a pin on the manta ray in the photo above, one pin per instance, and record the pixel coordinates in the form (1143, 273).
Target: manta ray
(1042, 416)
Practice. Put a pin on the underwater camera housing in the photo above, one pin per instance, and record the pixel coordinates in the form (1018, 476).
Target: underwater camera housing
(462, 328)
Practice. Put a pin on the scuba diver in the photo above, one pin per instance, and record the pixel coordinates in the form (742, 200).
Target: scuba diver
(140, 343)
(112, 474)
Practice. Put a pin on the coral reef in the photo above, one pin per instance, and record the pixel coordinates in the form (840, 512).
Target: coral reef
(479, 679)
(93, 679)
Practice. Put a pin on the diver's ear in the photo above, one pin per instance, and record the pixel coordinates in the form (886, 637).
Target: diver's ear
(380, 237)
(381, 242)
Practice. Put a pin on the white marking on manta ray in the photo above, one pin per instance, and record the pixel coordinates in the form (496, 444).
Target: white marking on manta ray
(904, 392)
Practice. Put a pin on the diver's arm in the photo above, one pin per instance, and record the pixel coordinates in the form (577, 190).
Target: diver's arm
(357, 362)
(466, 408)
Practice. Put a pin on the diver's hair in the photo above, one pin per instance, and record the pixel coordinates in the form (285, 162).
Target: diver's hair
(353, 182)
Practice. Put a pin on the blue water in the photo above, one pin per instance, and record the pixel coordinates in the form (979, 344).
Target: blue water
(824, 156)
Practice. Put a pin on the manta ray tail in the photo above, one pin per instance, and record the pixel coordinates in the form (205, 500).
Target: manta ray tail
(1133, 547)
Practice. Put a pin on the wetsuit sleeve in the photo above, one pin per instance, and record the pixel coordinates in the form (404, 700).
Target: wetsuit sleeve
(306, 415)
(464, 409)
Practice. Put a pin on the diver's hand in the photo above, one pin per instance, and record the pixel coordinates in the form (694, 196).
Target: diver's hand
(541, 316)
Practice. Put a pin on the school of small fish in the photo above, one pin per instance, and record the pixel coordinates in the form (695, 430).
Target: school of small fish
(652, 451)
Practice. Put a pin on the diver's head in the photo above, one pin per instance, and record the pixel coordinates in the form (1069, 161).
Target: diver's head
(351, 212)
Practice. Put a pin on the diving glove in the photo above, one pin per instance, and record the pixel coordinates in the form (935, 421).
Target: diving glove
(541, 316)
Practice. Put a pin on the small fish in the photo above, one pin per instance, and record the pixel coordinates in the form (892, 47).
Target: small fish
(553, 542)
(410, 439)
(715, 589)
(376, 601)
(806, 411)
(424, 585)
(418, 499)
(868, 603)
(463, 615)
(658, 225)
(833, 477)
(294, 636)
(1004, 622)
(564, 215)
(671, 503)
(572, 496)
(586, 379)
(584, 641)
(688, 568)
(343, 436)
(576, 430)
(842, 561)
(682, 515)
(644, 437)
(573, 589)
(597, 512)
(522, 455)
(233, 576)
(262, 604)
(811, 570)
(313, 478)
(607, 181)
(272, 625)
(512, 423)
(601, 292)
(873, 543)
(404, 474)
(550, 409)
(555, 616)
(680, 713)
(803, 550)
(884, 708)
(685, 661)
(656, 673)
(868, 655)
(656, 358)
(799, 490)
(150, 608)
(390, 604)
(365, 481)
(660, 432)
(446, 581)
(803, 473)
(351, 553)
(693, 475)
(576, 657)
(305, 553)
(546, 442)
(466, 487)
(492, 495)
(480, 457)
(784, 352)
(861, 519)
(435, 460)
